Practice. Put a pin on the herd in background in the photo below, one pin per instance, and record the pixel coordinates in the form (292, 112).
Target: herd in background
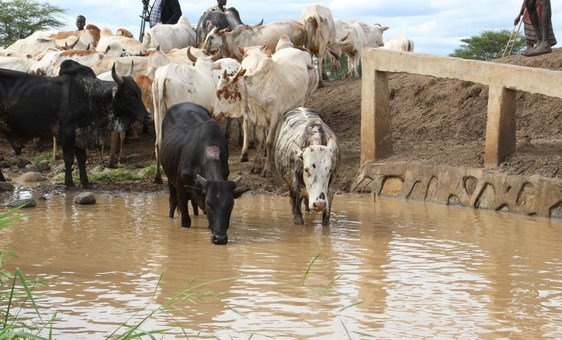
(260, 75)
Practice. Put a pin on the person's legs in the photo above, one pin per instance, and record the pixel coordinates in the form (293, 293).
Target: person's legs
(541, 23)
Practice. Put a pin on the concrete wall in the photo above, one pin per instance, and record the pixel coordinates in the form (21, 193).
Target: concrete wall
(503, 80)
(475, 188)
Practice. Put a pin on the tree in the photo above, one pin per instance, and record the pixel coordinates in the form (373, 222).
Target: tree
(20, 18)
(487, 45)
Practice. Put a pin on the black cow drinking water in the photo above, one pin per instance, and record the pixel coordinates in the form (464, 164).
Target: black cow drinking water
(195, 159)
(79, 109)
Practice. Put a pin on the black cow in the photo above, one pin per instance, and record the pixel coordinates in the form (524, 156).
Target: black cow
(211, 19)
(195, 160)
(79, 109)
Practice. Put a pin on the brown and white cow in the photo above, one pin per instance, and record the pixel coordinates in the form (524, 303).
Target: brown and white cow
(262, 94)
(227, 44)
(307, 158)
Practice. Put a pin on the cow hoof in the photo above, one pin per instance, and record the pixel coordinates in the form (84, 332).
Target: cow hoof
(244, 158)
(255, 170)
(158, 180)
(298, 220)
(188, 225)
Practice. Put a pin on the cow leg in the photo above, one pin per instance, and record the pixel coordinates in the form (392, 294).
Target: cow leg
(245, 128)
(271, 134)
(182, 204)
(68, 155)
(114, 135)
(227, 129)
(81, 158)
(195, 207)
(158, 174)
(240, 132)
(55, 151)
(121, 143)
(258, 159)
(296, 201)
(306, 207)
(173, 199)
(326, 213)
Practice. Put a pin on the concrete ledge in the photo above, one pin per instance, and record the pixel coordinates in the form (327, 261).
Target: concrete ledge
(475, 188)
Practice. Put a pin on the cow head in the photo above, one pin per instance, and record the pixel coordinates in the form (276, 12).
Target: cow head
(318, 163)
(229, 96)
(219, 201)
(127, 99)
(378, 30)
(214, 43)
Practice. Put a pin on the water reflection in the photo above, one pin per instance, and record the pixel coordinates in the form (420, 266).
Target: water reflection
(390, 269)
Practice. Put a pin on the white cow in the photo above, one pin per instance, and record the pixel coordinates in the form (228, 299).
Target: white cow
(307, 157)
(320, 34)
(168, 37)
(399, 43)
(354, 37)
(262, 95)
(118, 45)
(16, 64)
(43, 41)
(49, 63)
(177, 83)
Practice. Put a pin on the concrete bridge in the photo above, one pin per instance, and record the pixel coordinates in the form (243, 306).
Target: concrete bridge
(477, 189)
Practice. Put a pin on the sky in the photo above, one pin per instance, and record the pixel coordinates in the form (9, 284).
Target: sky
(435, 26)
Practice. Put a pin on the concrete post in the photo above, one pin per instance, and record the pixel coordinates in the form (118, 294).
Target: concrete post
(376, 137)
(500, 128)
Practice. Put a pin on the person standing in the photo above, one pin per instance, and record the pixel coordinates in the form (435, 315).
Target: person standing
(80, 22)
(537, 19)
(165, 12)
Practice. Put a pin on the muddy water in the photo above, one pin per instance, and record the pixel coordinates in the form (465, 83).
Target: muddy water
(388, 270)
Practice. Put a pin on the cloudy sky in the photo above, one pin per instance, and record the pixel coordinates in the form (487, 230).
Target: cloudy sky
(436, 26)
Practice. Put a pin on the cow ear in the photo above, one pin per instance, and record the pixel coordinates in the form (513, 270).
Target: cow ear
(202, 181)
(332, 144)
(384, 28)
(237, 180)
(296, 149)
(239, 191)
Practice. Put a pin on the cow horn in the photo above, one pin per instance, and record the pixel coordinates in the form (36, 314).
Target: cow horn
(191, 56)
(237, 180)
(73, 45)
(130, 73)
(215, 57)
(88, 47)
(116, 77)
(241, 50)
(202, 180)
(331, 144)
(344, 38)
(241, 72)
(225, 74)
(107, 49)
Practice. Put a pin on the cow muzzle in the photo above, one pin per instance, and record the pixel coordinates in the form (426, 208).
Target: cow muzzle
(219, 239)
(319, 206)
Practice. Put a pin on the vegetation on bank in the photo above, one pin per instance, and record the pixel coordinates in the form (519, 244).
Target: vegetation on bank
(487, 45)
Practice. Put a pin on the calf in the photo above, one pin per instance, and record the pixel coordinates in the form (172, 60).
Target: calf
(195, 160)
(77, 107)
(307, 157)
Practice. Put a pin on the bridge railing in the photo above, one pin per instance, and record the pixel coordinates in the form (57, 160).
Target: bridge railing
(503, 81)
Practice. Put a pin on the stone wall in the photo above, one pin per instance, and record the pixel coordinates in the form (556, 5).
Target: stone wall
(475, 188)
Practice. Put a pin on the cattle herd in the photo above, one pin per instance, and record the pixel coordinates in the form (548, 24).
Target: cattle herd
(83, 86)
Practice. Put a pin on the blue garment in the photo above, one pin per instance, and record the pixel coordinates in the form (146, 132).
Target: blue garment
(156, 13)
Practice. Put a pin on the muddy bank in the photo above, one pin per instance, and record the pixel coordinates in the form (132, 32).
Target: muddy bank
(434, 121)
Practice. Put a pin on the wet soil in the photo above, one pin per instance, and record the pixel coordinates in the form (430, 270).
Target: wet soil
(434, 121)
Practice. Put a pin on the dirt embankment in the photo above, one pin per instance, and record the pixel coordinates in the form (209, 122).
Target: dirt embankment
(434, 121)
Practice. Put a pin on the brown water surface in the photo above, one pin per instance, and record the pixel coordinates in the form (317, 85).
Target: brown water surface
(391, 269)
